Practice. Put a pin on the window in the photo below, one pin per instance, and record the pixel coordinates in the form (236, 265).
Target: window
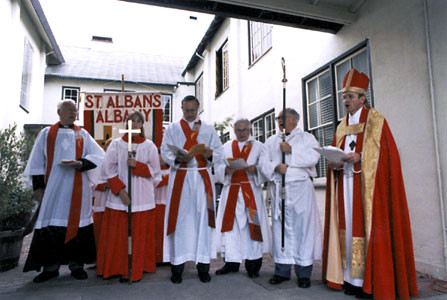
(260, 40)
(263, 126)
(26, 75)
(72, 93)
(199, 91)
(222, 80)
(322, 96)
(225, 137)
(167, 108)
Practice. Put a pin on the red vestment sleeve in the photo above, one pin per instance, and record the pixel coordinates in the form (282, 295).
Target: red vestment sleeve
(116, 185)
(141, 170)
(101, 187)
(164, 181)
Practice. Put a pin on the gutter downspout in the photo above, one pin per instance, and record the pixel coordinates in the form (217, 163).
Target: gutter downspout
(435, 132)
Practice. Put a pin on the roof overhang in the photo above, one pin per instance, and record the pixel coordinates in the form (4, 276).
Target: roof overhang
(35, 11)
(326, 15)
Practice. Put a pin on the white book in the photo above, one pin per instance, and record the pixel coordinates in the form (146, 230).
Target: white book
(332, 153)
(237, 164)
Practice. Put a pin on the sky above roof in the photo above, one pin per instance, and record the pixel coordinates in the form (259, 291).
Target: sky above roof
(133, 27)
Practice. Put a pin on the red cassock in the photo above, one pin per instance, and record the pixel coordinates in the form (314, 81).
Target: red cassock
(386, 259)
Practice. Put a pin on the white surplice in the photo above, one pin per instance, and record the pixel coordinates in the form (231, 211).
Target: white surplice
(161, 193)
(115, 162)
(303, 236)
(193, 239)
(236, 245)
(348, 190)
(55, 206)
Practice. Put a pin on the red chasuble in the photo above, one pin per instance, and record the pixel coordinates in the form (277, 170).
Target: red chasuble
(385, 257)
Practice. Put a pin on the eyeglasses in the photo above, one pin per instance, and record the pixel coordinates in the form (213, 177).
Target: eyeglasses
(280, 118)
(242, 130)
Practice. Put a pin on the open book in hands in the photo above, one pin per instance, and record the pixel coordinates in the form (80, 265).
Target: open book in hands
(237, 163)
(195, 150)
(331, 153)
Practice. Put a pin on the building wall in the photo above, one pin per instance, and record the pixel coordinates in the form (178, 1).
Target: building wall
(396, 31)
(16, 26)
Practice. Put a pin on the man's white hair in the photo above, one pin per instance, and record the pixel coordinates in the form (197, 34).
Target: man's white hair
(63, 101)
(242, 120)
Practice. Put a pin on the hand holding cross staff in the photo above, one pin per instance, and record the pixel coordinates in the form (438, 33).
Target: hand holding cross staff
(127, 197)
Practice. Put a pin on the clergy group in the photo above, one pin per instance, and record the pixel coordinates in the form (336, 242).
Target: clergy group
(134, 205)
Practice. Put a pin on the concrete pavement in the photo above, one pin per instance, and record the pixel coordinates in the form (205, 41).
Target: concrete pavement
(15, 284)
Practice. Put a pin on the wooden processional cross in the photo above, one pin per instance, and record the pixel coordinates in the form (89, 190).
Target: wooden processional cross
(131, 154)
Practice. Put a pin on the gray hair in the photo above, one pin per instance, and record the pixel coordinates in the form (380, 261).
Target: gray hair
(242, 120)
(293, 113)
(64, 101)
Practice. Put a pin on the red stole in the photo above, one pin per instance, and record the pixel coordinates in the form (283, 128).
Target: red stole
(76, 195)
(239, 179)
(191, 140)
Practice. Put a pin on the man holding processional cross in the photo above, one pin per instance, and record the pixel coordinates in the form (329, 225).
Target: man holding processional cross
(190, 212)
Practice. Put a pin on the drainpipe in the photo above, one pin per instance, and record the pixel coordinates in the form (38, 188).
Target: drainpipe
(435, 132)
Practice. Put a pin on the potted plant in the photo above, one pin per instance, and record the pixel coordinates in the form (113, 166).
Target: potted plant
(17, 206)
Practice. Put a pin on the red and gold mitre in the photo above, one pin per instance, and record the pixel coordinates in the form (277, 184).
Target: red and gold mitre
(355, 82)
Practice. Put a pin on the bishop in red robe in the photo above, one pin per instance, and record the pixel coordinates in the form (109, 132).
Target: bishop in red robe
(368, 248)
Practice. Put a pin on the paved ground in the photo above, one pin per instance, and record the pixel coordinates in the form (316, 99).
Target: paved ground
(15, 284)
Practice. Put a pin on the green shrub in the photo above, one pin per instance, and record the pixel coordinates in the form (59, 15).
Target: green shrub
(16, 201)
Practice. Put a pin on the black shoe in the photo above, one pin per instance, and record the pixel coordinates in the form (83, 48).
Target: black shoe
(45, 276)
(276, 279)
(227, 268)
(349, 289)
(176, 278)
(79, 274)
(204, 277)
(304, 282)
(253, 274)
(363, 295)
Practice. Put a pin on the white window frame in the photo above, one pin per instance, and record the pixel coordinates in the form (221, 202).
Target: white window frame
(27, 71)
(263, 126)
(260, 40)
(325, 131)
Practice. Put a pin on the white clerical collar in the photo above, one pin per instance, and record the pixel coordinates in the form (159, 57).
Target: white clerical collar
(242, 144)
(191, 124)
(355, 118)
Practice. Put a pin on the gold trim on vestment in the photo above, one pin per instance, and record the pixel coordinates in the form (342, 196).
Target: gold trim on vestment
(370, 160)
(358, 262)
(353, 89)
(351, 129)
(344, 263)
(334, 271)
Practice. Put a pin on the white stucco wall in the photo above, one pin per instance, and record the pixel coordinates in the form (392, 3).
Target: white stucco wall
(16, 26)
